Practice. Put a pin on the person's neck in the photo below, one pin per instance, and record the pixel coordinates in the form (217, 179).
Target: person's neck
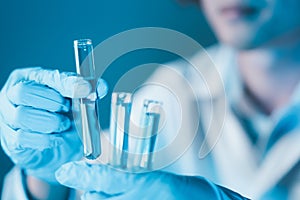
(272, 72)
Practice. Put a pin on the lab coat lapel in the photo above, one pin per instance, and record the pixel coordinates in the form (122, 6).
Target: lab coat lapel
(282, 151)
(232, 152)
(245, 173)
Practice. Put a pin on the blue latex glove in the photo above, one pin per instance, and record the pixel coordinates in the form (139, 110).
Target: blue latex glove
(101, 182)
(36, 131)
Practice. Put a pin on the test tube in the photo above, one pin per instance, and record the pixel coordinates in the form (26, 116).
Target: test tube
(119, 127)
(85, 108)
(151, 114)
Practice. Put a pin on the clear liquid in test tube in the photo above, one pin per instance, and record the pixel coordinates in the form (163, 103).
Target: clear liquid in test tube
(84, 109)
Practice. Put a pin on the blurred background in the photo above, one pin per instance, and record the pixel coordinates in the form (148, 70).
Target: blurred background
(41, 33)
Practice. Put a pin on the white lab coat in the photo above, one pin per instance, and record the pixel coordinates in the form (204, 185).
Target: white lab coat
(190, 143)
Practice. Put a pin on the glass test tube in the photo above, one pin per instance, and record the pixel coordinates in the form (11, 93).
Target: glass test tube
(85, 108)
(119, 127)
(150, 126)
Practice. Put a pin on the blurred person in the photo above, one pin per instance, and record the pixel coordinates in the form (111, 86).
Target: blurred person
(255, 154)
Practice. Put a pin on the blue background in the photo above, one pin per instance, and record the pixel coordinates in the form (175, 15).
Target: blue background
(41, 33)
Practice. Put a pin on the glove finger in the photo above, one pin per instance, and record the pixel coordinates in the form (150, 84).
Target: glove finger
(67, 84)
(102, 88)
(95, 196)
(13, 141)
(35, 120)
(7, 109)
(37, 96)
(83, 176)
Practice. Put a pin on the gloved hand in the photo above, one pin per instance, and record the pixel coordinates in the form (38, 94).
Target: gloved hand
(36, 132)
(101, 182)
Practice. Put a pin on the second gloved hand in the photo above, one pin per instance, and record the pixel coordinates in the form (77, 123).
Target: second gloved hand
(36, 130)
(104, 182)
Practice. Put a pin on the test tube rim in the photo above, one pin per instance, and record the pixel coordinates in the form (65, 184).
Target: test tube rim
(121, 98)
(149, 101)
(82, 42)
